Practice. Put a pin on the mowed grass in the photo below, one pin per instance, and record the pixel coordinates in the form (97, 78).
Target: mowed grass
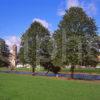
(83, 70)
(65, 70)
(25, 87)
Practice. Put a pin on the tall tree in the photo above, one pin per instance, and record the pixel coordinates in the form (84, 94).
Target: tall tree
(35, 44)
(76, 37)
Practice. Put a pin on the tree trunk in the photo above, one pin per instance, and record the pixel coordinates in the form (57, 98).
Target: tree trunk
(33, 70)
(11, 67)
(72, 71)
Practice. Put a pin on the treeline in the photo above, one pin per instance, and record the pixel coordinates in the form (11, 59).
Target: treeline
(75, 42)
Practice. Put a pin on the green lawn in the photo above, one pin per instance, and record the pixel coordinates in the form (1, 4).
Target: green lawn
(65, 70)
(24, 87)
(17, 69)
(21, 69)
(83, 70)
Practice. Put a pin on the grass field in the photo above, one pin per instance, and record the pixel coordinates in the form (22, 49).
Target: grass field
(84, 70)
(24, 87)
(21, 69)
(65, 70)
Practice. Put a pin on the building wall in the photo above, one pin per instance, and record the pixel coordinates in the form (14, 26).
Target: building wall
(99, 58)
(13, 57)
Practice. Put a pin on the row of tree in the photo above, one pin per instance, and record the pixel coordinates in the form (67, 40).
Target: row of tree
(75, 42)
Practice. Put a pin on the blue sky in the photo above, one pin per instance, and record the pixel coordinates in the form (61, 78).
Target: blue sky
(17, 15)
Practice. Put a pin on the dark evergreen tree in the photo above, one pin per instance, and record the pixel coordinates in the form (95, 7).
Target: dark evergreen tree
(35, 45)
(76, 39)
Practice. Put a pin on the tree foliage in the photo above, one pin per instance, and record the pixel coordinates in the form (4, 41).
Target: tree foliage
(76, 38)
(35, 44)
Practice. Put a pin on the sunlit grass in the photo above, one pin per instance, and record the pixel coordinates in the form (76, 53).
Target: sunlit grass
(23, 87)
(65, 70)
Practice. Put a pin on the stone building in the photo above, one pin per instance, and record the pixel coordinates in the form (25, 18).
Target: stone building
(13, 57)
(99, 58)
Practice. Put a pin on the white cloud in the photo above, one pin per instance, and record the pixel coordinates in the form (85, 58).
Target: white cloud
(60, 12)
(72, 3)
(89, 7)
(66, 5)
(61, 8)
(11, 40)
(43, 22)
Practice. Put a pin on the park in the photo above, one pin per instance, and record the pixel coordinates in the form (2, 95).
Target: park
(63, 64)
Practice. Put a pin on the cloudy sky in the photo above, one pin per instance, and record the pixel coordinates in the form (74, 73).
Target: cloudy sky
(17, 15)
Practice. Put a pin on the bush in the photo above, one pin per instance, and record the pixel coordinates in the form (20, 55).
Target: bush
(50, 67)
